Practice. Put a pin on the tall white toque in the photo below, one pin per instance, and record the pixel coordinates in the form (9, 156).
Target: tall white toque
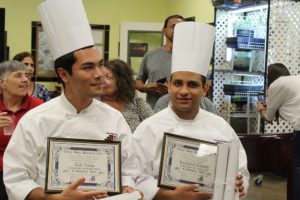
(66, 26)
(192, 47)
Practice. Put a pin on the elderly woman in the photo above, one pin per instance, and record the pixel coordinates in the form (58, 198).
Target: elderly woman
(119, 93)
(14, 103)
(36, 90)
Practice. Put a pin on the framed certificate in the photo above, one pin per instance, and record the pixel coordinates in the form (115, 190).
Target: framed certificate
(187, 161)
(69, 159)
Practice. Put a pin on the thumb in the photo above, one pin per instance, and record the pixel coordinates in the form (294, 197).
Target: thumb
(77, 183)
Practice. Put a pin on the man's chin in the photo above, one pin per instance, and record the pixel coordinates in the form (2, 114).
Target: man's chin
(183, 108)
(95, 95)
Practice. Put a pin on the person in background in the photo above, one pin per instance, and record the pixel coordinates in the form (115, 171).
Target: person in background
(193, 44)
(156, 65)
(119, 93)
(74, 114)
(14, 103)
(34, 89)
(284, 101)
(205, 103)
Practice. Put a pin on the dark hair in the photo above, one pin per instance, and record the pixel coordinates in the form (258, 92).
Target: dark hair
(172, 17)
(275, 71)
(66, 62)
(203, 79)
(20, 56)
(124, 79)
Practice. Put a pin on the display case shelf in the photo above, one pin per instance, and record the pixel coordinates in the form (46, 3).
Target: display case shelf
(243, 115)
(245, 43)
(241, 73)
(239, 67)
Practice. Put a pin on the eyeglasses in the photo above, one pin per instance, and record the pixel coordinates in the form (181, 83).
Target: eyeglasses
(29, 64)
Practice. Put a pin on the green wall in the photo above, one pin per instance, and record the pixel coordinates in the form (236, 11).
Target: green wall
(20, 14)
(203, 10)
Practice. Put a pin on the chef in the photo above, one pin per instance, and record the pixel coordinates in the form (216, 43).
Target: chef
(192, 50)
(74, 114)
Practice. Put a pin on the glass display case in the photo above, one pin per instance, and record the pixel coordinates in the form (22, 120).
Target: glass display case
(239, 65)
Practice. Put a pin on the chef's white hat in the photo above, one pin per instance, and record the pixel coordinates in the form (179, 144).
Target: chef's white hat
(192, 47)
(66, 26)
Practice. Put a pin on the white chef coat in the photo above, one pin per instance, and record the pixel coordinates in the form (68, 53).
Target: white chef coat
(25, 155)
(148, 139)
(284, 94)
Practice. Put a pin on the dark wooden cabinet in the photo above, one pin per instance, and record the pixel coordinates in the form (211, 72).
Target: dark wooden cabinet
(270, 153)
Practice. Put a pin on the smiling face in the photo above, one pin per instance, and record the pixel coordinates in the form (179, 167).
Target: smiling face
(86, 79)
(185, 90)
(29, 67)
(110, 83)
(14, 84)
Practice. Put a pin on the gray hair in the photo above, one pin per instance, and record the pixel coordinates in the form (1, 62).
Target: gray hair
(10, 66)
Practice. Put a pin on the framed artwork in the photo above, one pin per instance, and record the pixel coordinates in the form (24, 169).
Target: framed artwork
(44, 63)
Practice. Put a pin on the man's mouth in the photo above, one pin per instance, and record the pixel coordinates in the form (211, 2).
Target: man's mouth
(184, 100)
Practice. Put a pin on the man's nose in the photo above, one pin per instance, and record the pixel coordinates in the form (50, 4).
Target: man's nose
(99, 75)
(98, 72)
(184, 90)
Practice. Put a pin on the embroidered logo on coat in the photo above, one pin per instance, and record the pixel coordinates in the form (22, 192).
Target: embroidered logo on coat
(111, 137)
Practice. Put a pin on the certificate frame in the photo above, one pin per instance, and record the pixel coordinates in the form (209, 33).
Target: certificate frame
(101, 166)
(172, 142)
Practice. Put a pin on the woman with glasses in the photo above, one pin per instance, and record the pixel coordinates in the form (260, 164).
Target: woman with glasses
(119, 93)
(35, 90)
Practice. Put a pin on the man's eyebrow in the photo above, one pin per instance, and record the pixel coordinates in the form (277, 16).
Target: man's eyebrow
(88, 63)
(192, 81)
(175, 79)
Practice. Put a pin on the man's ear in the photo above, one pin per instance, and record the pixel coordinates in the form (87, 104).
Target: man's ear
(205, 89)
(169, 85)
(63, 74)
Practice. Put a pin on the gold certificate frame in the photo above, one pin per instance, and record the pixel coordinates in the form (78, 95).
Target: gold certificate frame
(69, 159)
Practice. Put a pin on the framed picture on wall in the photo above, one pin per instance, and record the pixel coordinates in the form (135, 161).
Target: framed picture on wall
(44, 63)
